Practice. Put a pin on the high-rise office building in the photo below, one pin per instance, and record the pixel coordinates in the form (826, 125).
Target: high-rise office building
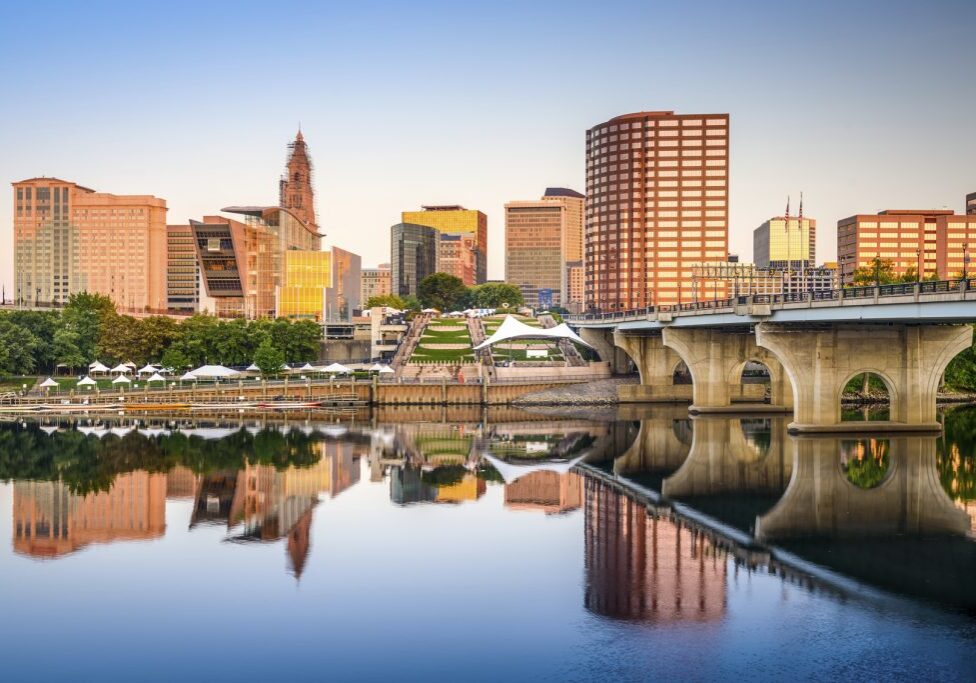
(657, 199)
(576, 280)
(182, 274)
(776, 245)
(413, 256)
(463, 243)
(242, 264)
(375, 282)
(933, 241)
(541, 238)
(69, 239)
(971, 203)
(295, 188)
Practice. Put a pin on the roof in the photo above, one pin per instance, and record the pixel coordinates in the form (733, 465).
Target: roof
(563, 192)
(513, 328)
(264, 212)
(51, 179)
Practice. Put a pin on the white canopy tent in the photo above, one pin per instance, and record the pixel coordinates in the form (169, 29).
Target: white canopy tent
(336, 368)
(48, 383)
(121, 368)
(97, 367)
(121, 379)
(252, 368)
(386, 369)
(308, 367)
(214, 372)
(156, 378)
(511, 473)
(188, 377)
(86, 381)
(513, 328)
(148, 370)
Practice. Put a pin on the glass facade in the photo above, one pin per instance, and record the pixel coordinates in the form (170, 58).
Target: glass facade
(471, 228)
(414, 254)
(772, 243)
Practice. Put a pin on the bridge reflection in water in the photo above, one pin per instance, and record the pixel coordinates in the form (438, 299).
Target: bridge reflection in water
(875, 508)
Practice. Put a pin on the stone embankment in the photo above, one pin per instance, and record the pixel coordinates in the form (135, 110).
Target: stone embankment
(599, 392)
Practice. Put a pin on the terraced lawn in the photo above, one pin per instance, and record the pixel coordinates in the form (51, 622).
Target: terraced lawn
(447, 332)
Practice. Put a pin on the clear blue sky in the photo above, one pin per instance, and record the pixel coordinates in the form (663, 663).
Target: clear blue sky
(862, 105)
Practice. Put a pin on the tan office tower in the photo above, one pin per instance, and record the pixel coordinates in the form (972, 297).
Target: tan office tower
(541, 238)
(930, 242)
(182, 274)
(376, 282)
(69, 239)
(657, 200)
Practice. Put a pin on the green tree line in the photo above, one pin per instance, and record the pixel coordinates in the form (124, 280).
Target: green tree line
(88, 328)
(447, 292)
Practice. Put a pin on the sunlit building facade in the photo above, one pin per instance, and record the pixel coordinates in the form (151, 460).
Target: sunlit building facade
(545, 491)
(541, 238)
(657, 200)
(471, 228)
(182, 273)
(295, 188)
(413, 256)
(775, 245)
(576, 281)
(70, 239)
(375, 282)
(924, 242)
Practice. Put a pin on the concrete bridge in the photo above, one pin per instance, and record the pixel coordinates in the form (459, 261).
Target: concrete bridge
(812, 343)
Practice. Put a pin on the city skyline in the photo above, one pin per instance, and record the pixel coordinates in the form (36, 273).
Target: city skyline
(787, 131)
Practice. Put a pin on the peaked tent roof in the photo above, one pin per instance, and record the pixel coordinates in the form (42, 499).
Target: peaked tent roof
(511, 472)
(336, 367)
(121, 368)
(86, 382)
(210, 371)
(156, 378)
(513, 328)
(49, 383)
(97, 367)
(121, 379)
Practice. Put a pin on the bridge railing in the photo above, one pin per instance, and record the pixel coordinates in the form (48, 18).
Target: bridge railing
(862, 292)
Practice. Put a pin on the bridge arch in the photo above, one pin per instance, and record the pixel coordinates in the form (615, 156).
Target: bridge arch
(893, 395)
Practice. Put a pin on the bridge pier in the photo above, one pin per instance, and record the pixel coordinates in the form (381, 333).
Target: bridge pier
(820, 501)
(656, 365)
(603, 341)
(910, 359)
(716, 359)
(721, 460)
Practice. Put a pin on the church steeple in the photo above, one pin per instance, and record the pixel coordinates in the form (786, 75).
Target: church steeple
(295, 188)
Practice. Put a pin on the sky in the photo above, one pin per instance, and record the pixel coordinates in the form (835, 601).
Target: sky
(862, 106)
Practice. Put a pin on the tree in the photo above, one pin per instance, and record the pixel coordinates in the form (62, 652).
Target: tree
(391, 300)
(174, 358)
(879, 272)
(65, 349)
(442, 291)
(269, 358)
(19, 345)
(85, 314)
(494, 294)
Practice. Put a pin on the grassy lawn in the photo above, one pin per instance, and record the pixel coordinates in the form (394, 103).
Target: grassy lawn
(432, 335)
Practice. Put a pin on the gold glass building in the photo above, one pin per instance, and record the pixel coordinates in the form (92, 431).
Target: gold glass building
(775, 245)
(454, 220)
(308, 277)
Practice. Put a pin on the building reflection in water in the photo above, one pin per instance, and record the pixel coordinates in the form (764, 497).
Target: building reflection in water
(260, 503)
(50, 521)
(549, 492)
(646, 567)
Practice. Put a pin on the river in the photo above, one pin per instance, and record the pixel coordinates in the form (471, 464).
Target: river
(472, 545)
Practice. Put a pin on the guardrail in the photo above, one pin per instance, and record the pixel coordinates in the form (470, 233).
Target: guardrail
(869, 292)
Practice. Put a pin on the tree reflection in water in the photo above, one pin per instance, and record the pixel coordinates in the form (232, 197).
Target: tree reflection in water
(865, 461)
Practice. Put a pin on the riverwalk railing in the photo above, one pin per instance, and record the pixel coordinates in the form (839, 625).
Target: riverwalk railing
(875, 292)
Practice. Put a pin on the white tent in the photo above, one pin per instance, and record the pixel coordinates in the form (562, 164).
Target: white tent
(130, 364)
(86, 382)
(188, 377)
(148, 370)
(121, 379)
(48, 383)
(376, 367)
(156, 378)
(336, 368)
(214, 372)
(512, 472)
(386, 369)
(49, 430)
(430, 310)
(252, 368)
(122, 368)
(513, 328)
(97, 367)
(308, 367)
